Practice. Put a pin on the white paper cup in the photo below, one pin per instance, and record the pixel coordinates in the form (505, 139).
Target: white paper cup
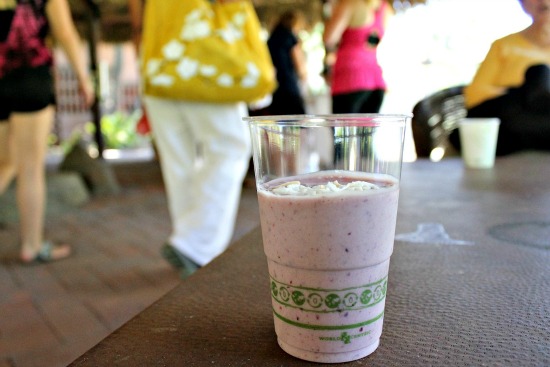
(478, 140)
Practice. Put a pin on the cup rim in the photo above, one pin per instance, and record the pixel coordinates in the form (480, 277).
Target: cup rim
(358, 119)
(479, 120)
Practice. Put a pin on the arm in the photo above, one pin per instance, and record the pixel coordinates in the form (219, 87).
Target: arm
(388, 14)
(483, 87)
(64, 31)
(135, 8)
(298, 59)
(337, 24)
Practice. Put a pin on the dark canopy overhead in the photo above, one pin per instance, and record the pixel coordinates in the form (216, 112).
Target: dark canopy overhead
(115, 23)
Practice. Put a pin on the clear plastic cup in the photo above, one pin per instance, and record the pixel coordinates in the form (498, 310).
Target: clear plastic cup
(328, 189)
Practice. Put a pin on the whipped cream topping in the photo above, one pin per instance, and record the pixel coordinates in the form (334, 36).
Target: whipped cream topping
(296, 188)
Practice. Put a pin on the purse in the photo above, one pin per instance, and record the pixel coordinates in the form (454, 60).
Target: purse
(205, 51)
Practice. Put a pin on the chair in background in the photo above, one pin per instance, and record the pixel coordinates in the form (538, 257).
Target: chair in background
(434, 118)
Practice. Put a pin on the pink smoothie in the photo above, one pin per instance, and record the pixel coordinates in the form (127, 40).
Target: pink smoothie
(328, 256)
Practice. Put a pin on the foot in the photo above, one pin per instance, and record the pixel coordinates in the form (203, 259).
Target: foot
(178, 260)
(47, 253)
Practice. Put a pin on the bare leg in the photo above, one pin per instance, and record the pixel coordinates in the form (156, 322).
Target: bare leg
(29, 133)
(7, 166)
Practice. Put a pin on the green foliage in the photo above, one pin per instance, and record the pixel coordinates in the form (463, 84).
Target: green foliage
(119, 130)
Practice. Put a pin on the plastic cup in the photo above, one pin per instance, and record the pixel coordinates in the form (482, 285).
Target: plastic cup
(328, 189)
(478, 140)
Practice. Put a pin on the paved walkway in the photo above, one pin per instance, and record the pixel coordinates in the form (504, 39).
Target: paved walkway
(50, 314)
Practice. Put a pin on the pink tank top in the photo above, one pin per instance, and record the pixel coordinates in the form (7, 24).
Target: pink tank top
(356, 66)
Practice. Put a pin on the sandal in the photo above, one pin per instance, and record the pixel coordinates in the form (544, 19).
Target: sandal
(46, 254)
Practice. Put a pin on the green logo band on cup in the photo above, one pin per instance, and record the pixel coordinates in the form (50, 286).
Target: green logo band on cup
(330, 327)
(329, 300)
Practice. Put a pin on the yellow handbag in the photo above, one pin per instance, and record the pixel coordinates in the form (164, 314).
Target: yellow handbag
(201, 51)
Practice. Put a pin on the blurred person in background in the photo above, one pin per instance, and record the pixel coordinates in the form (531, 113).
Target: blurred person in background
(204, 152)
(289, 61)
(513, 84)
(351, 38)
(27, 109)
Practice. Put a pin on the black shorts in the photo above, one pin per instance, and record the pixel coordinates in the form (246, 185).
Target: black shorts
(26, 90)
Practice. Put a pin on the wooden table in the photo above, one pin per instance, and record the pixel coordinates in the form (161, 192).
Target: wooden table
(476, 295)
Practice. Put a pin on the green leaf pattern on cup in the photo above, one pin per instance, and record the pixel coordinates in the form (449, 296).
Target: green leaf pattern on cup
(329, 300)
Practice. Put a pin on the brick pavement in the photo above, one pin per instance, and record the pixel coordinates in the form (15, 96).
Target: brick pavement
(50, 314)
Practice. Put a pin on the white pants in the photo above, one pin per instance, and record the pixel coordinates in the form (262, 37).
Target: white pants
(204, 151)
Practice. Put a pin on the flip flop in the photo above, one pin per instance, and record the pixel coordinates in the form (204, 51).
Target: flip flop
(45, 255)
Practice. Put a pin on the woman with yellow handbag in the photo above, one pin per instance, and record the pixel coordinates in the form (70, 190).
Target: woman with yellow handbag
(201, 62)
